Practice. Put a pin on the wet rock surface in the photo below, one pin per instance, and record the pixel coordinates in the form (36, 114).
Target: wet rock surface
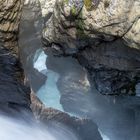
(113, 115)
(83, 128)
(113, 69)
(14, 96)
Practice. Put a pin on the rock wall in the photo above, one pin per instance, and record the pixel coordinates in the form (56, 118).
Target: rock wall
(9, 23)
(103, 35)
(14, 95)
(105, 20)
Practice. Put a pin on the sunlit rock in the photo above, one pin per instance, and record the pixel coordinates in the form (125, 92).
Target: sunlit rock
(104, 22)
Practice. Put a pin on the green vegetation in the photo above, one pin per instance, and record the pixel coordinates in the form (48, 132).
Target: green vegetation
(73, 11)
(80, 27)
(88, 4)
(66, 1)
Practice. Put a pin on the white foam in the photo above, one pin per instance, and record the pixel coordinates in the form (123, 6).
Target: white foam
(104, 137)
(14, 129)
(40, 61)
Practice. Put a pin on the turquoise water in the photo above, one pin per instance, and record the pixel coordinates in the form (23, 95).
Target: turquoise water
(48, 93)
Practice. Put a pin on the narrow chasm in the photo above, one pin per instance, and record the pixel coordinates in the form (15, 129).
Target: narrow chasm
(70, 70)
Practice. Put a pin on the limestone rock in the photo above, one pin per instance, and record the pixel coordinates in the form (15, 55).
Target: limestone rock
(103, 36)
(14, 95)
(108, 20)
(9, 23)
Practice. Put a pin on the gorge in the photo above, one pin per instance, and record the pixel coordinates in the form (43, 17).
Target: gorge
(70, 69)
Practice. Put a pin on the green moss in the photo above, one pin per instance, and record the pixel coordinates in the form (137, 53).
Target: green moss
(80, 28)
(73, 11)
(66, 1)
(88, 4)
(80, 24)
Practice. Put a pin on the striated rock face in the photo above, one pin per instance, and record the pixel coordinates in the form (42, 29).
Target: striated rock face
(14, 95)
(9, 22)
(106, 20)
(103, 35)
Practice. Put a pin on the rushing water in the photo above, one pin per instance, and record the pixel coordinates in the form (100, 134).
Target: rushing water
(16, 129)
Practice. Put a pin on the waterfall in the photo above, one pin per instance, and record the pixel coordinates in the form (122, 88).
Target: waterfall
(16, 129)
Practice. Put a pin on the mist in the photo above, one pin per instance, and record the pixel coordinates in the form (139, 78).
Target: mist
(12, 129)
